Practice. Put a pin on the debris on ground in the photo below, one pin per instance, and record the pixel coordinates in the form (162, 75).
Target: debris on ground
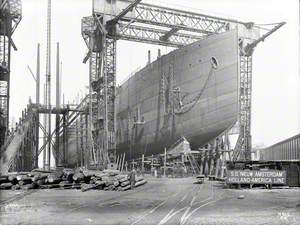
(200, 179)
(241, 196)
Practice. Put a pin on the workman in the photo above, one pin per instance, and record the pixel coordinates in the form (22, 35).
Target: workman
(132, 178)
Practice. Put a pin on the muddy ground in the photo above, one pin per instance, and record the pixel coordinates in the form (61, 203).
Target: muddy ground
(160, 201)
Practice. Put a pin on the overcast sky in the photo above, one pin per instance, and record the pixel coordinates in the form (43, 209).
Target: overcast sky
(276, 98)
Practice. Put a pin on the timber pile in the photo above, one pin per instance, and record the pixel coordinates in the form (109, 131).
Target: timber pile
(107, 180)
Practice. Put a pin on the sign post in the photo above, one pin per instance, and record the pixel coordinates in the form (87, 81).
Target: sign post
(268, 177)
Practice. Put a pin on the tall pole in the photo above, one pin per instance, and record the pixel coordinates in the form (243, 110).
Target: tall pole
(90, 114)
(48, 80)
(37, 95)
(58, 97)
(58, 85)
(38, 71)
(45, 126)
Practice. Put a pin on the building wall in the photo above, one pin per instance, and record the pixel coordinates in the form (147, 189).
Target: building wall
(287, 150)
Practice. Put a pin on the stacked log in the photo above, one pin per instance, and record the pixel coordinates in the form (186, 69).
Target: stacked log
(6, 186)
(78, 177)
(66, 185)
(4, 179)
(39, 177)
(108, 180)
(28, 186)
(15, 187)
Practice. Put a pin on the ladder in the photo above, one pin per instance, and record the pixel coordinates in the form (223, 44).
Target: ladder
(193, 163)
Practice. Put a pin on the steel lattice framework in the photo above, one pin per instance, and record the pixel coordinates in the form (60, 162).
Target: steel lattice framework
(152, 24)
(10, 17)
(245, 105)
(154, 36)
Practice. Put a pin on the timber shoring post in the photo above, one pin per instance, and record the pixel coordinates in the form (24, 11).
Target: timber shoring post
(117, 162)
(205, 162)
(67, 140)
(77, 142)
(64, 139)
(57, 140)
(152, 170)
(211, 159)
(123, 162)
(37, 130)
(217, 159)
(143, 164)
(201, 162)
(81, 141)
(165, 162)
(87, 149)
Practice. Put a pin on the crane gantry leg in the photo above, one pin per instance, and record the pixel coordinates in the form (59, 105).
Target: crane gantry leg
(10, 17)
(109, 73)
(102, 144)
(245, 106)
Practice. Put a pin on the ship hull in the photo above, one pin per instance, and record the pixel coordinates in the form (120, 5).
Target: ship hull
(192, 92)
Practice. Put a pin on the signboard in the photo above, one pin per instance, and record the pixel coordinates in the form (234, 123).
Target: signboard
(112, 7)
(256, 177)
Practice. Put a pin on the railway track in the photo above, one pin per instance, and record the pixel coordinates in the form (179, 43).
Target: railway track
(16, 197)
(180, 207)
(111, 199)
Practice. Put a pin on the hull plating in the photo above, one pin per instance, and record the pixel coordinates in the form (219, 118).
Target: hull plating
(191, 92)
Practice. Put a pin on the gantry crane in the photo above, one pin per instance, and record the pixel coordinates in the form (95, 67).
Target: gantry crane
(132, 20)
(10, 17)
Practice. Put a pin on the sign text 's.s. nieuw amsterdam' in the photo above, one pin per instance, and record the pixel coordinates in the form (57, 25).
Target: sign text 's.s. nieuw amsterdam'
(256, 177)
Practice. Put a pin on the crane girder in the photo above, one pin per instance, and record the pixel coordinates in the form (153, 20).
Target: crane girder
(172, 18)
(154, 36)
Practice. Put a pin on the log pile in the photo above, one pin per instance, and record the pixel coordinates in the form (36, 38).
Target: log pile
(107, 180)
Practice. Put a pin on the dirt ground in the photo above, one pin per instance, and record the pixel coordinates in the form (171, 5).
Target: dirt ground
(160, 201)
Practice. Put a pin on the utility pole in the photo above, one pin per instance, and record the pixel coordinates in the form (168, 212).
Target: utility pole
(48, 81)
